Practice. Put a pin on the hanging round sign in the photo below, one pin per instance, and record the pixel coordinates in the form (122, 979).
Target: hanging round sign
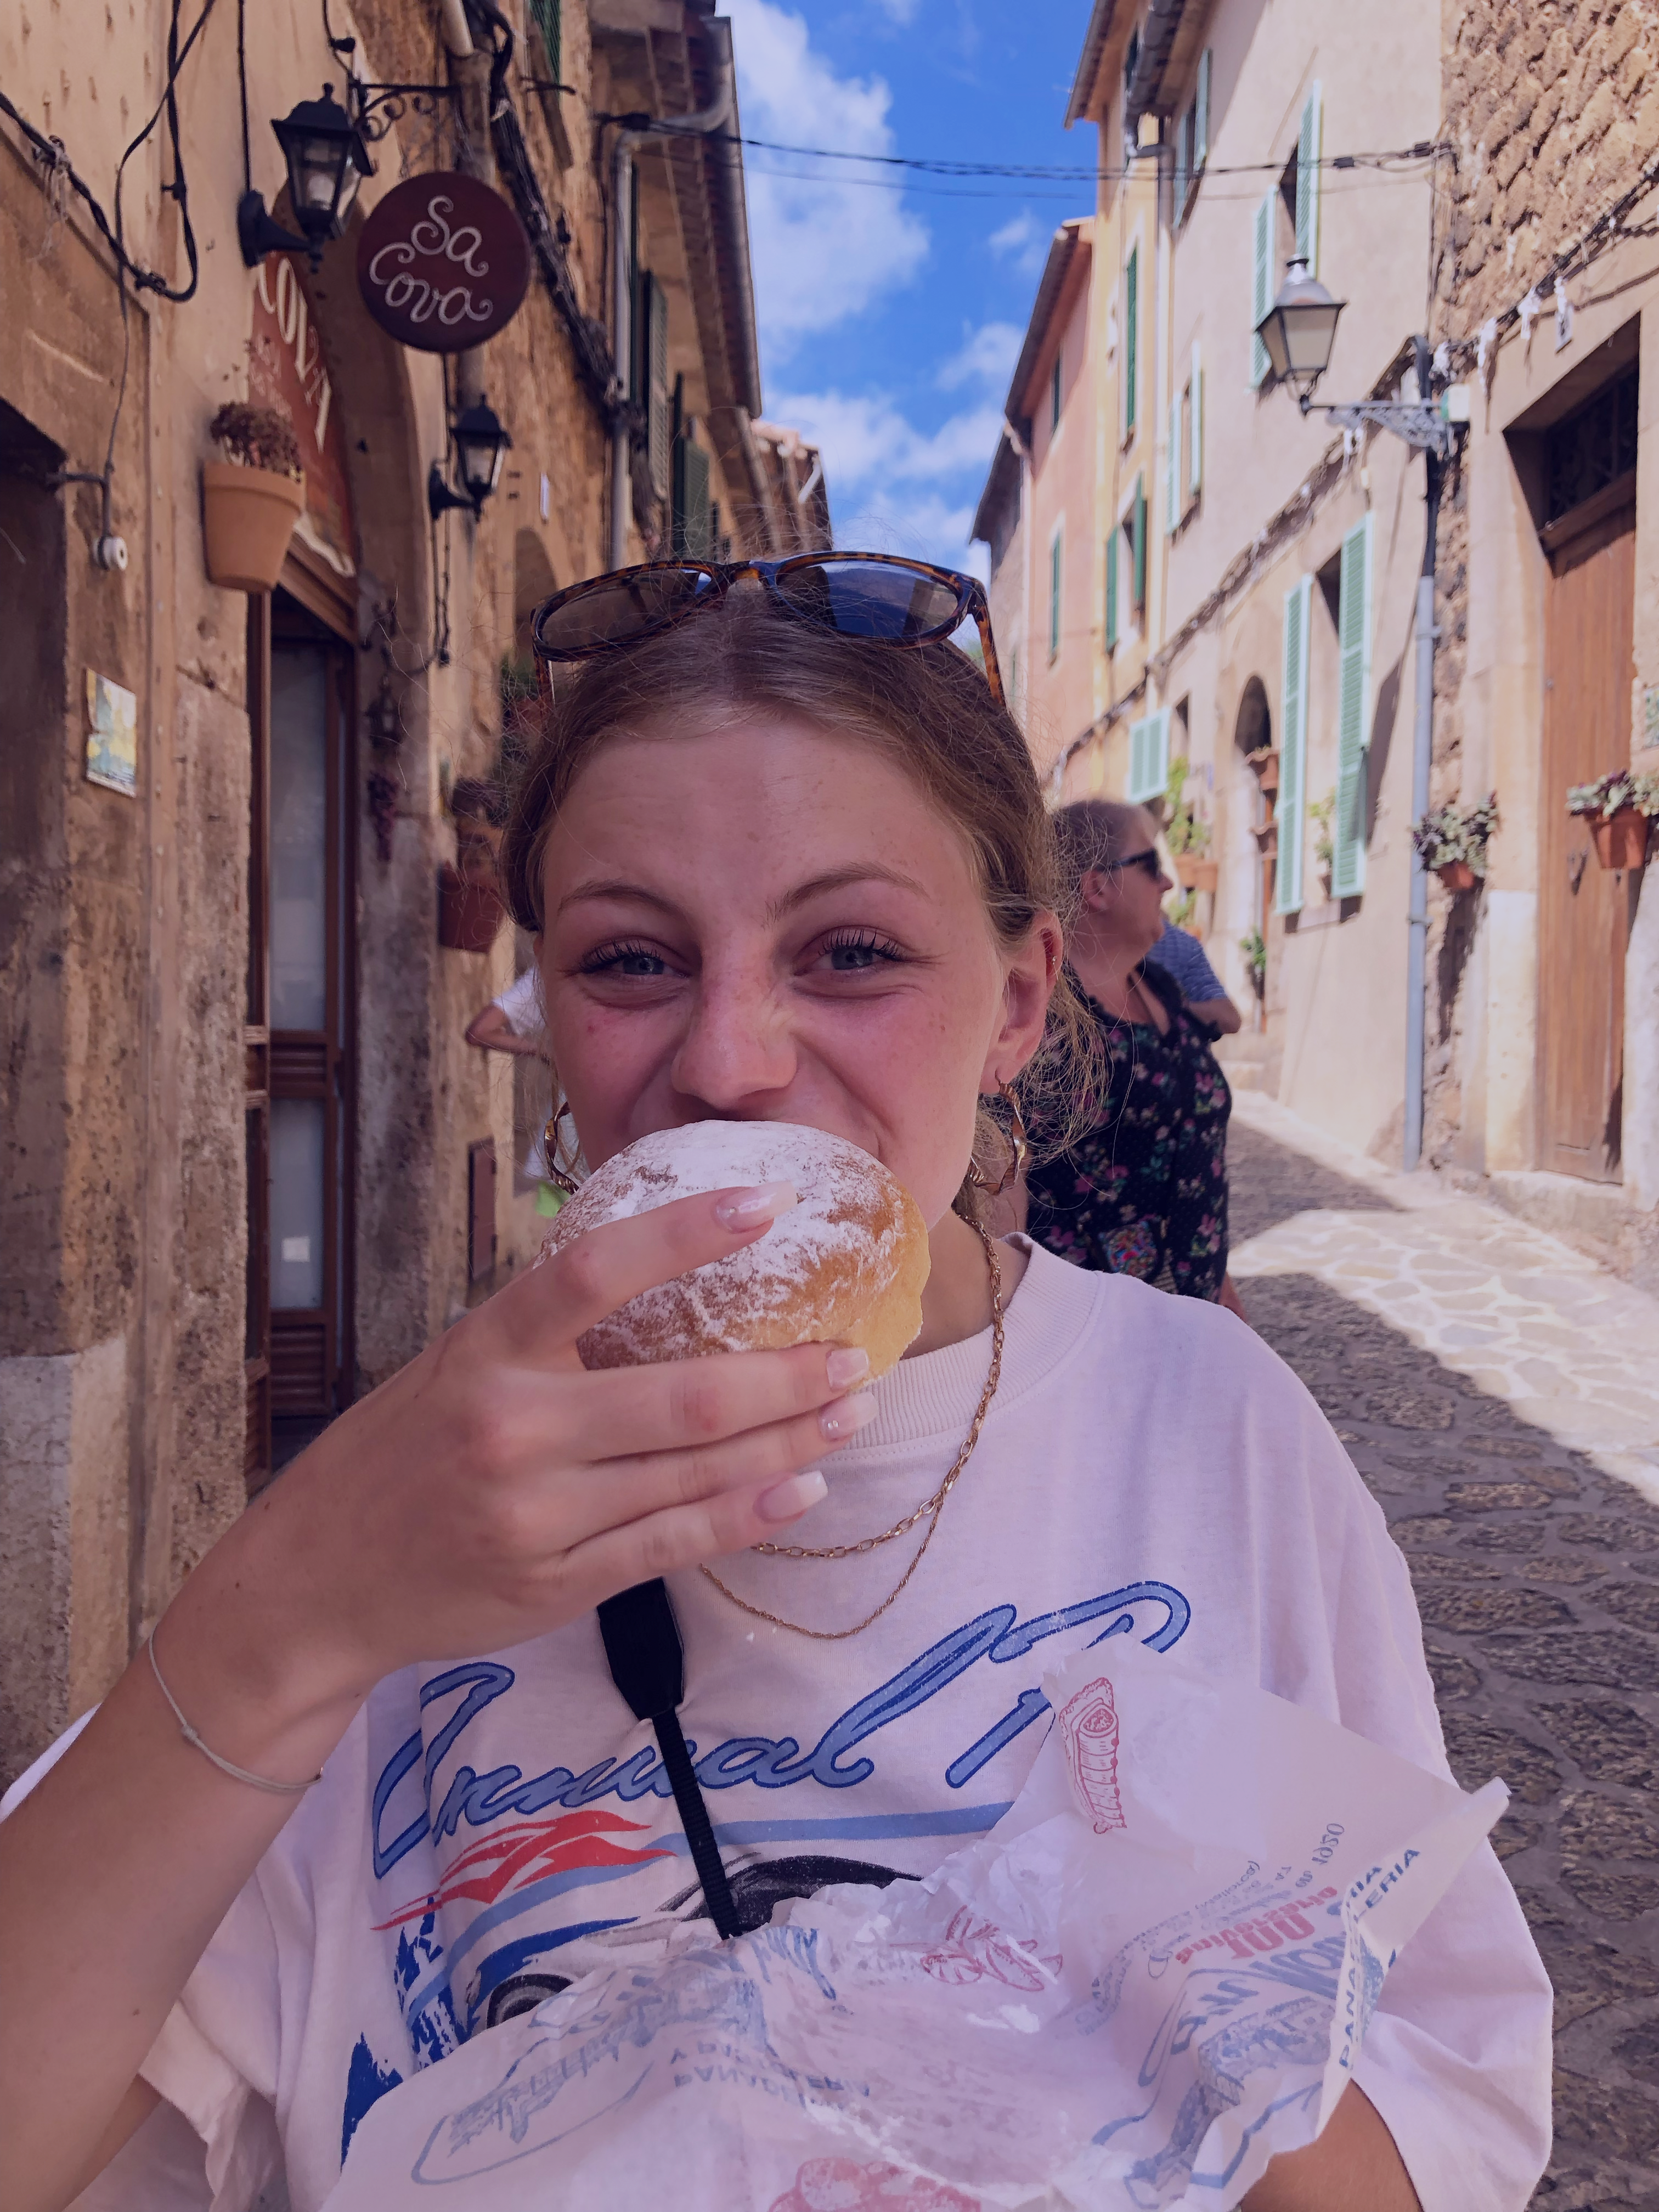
(443, 262)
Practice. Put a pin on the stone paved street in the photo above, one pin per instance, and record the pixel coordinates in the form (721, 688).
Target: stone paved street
(1499, 1394)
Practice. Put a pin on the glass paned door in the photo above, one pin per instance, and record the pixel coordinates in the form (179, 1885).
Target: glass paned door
(300, 894)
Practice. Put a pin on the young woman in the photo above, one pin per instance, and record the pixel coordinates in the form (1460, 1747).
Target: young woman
(776, 871)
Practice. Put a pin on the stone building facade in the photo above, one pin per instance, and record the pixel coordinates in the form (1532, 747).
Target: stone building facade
(248, 1164)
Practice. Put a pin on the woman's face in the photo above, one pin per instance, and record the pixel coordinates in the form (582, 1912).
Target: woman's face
(765, 922)
(1129, 902)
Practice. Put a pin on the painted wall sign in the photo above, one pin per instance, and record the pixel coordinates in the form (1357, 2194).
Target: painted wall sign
(112, 735)
(286, 370)
(443, 262)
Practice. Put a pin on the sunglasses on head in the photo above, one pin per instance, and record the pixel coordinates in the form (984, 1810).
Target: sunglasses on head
(880, 597)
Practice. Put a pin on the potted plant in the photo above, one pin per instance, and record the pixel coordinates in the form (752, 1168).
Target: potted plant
(1256, 956)
(252, 500)
(1265, 764)
(1619, 809)
(1186, 835)
(470, 908)
(1452, 840)
(1319, 813)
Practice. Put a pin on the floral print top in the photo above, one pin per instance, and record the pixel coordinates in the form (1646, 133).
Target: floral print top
(1145, 1193)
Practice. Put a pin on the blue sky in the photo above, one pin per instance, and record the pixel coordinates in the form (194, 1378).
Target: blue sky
(890, 319)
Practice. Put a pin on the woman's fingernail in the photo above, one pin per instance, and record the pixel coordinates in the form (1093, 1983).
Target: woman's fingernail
(847, 1364)
(847, 1415)
(788, 1500)
(751, 1209)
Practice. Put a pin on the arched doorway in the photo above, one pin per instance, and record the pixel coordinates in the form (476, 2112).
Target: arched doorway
(1258, 762)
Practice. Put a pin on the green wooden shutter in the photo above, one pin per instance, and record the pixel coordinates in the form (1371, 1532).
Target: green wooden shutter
(1183, 139)
(1131, 337)
(546, 14)
(1140, 541)
(1195, 425)
(1053, 597)
(658, 420)
(1111, 589)
(1149, 757)
(1354, 713)
(1172, 471)
(1292, 751)
(691, 529)
(1310, 139)
(1055, 395)
(1202, 112)
(1261, 288)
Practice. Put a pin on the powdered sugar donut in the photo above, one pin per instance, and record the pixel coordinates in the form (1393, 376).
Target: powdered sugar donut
(846, 1265)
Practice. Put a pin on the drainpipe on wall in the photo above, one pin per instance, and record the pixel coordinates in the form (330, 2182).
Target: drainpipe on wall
(700, 120)
(1422, 760)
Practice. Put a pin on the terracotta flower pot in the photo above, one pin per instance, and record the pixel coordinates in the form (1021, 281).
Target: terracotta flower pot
(1457, 876)
(1266, 769)
(1621, 839)
(1267, 838)
(247, 517)
(1195, 873)
(468, 914)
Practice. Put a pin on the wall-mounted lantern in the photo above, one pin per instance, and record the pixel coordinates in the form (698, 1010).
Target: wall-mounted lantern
(481, 443)
(327, 159)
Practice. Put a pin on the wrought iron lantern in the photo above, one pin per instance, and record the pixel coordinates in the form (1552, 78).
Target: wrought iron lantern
(1299, 330)
(481, 443)
(327, 159)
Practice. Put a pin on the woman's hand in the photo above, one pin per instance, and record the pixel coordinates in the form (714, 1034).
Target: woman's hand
(494, 1489)
(490, 1492)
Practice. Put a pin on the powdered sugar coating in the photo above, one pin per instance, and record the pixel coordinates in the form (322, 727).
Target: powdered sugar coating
(845, 1266)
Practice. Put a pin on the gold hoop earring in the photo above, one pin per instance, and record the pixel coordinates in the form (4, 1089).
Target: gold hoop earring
(561, 1178)
(1019, 1143)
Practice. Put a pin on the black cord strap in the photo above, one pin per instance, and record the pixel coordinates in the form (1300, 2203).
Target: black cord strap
(647, 1665)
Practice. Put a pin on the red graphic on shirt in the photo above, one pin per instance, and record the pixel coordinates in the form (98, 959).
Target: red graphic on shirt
(841, 2185)
(973, 1948)
(1088, 1728)
(529, 1851)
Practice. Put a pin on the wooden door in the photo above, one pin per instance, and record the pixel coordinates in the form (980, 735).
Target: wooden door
(300, 1007)
(1581, 909)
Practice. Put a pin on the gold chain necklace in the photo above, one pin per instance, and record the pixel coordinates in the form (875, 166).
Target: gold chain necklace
(932, 1506)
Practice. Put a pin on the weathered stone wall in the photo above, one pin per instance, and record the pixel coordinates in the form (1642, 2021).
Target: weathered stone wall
(1551, 112)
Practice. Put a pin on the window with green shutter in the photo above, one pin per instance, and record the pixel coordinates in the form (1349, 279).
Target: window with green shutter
(1289, 813)
(545, 15)
(1202, 112)
(1138, 533)
(1172, 471)
(648, 377)
(1053, 597)
(1195, 425)
(1111, 590)
(1262, 286)
(1131, 338)
(1353, 732)
(1055, 395)
(1149, 757)
(692, 520)
(1308, 141)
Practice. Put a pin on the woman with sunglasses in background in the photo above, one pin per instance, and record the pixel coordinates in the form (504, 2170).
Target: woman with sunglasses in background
(1143, 1190)
(371, 1788)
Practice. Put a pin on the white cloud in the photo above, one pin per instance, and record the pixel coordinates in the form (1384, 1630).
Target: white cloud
(823, 247)
(987, 356)
(1023, 240)
(894, 489)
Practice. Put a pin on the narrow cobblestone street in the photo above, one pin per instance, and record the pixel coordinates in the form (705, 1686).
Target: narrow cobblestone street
(1499, 1394)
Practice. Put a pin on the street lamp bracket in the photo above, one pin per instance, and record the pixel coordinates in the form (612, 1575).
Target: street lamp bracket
(1420, 424)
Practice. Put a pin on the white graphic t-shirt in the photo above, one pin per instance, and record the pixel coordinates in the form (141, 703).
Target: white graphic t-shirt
(487, 1831)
